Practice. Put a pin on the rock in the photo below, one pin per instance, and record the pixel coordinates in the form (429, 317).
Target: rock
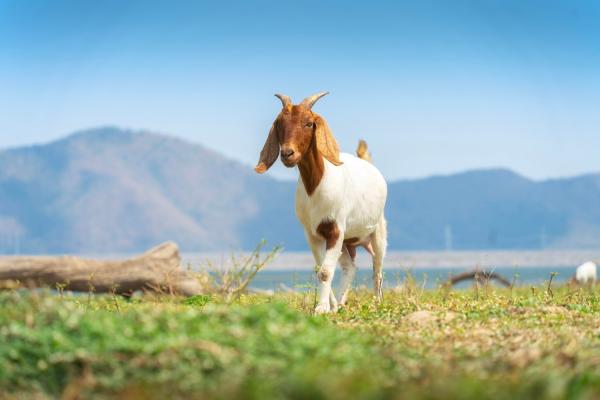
(421, 318)
(555, 310)
(449, 316)
(522, 357)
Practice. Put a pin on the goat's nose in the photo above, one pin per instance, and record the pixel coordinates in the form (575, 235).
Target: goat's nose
(287, 153)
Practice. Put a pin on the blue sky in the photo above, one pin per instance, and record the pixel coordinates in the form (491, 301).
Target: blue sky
(434, 86)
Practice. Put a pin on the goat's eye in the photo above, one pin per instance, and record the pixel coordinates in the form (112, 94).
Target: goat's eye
(309, 124)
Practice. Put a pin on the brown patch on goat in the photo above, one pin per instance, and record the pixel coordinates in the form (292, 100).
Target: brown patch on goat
(326, 143)
(351, 251)
(313, 142)
(351, 241)
(312, 168)
(270, 151)
(351, 244)
(330, 232)
(323, 275)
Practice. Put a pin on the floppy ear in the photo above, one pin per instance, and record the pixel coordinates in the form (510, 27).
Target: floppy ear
(326, 143)
(269, 153)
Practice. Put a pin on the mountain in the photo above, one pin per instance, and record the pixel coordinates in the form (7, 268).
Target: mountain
(494, 209)
(112, 190)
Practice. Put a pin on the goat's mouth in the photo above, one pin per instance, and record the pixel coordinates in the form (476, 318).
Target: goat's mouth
(290, 162)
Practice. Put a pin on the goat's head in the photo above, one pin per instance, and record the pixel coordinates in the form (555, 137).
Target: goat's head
(295, 129)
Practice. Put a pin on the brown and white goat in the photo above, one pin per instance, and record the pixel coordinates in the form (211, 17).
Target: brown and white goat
(339, 198)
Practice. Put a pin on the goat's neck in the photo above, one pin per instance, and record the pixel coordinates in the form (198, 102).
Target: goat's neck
(312, 168)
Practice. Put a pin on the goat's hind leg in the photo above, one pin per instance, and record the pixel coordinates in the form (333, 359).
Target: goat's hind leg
(379, 245)
(348, 273)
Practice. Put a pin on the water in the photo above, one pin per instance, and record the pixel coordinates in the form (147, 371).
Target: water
(428, 268)
(425, 277)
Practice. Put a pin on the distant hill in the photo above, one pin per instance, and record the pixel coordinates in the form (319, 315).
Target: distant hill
(112, 190)
(494, 209)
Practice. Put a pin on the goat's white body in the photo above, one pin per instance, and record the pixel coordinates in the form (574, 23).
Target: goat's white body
(586, 272)
(353, 196)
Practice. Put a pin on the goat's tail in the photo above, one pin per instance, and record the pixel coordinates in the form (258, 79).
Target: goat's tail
(362, 151)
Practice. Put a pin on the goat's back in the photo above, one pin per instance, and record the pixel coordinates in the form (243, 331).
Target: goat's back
(360, 174)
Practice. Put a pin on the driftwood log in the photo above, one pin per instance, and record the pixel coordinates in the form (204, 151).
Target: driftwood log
(157, 270)
(479, 276)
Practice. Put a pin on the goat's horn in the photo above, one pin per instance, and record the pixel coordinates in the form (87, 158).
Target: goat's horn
(311, 100)
(285, 100)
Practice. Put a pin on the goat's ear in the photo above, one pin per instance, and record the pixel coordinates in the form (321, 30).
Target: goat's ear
(326, 143)
(269, 153)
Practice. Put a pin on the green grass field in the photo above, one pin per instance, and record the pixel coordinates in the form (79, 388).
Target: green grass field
(471, 344)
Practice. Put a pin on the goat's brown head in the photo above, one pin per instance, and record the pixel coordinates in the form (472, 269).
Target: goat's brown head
(294, 131)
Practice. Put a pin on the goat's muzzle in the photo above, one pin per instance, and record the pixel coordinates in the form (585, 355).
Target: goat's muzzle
(289, 157)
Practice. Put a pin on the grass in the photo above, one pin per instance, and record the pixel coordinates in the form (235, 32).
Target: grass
(480, 343)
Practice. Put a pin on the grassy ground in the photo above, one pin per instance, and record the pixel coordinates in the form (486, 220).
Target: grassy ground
(472, 344)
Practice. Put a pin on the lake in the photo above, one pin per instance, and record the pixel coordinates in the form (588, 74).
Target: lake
(429, 269)
(425, 277)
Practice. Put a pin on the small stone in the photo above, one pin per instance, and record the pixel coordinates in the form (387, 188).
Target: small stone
(482, 332)
(422, 317)
(449, 316)
(555, 310)
(524, 356)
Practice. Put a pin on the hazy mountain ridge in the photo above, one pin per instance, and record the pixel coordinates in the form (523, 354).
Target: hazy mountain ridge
(114, 190)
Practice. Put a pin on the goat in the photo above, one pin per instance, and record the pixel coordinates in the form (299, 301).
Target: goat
(586, 273)
(340, 198)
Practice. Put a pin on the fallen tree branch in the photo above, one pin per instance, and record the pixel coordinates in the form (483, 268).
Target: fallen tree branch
(479, 276)
(157, 270)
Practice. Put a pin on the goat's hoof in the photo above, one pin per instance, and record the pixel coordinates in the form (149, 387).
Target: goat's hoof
(333, 306)
(323, 308)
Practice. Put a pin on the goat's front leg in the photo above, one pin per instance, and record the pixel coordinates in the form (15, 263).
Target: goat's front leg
(317, 246)
(333, 235)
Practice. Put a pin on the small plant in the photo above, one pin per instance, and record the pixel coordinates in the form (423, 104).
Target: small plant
(198, 301)
(549, 288)
(233, 280)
